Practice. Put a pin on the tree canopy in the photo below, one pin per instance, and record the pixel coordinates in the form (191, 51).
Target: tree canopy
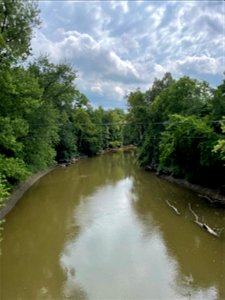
(184, 136)
(18, 19)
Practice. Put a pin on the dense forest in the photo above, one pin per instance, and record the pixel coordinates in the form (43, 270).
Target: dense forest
(181, 129)
(178, 125)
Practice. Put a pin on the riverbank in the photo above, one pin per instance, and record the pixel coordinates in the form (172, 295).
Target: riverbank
(118, 149)
(214, 197)
(22, 187)
(19, 190)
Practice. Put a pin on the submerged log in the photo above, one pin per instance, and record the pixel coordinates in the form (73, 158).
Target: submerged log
(205, 226)
(173, 207)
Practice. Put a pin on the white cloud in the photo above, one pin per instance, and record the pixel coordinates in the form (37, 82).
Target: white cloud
(201, 64)
(89, 55)
(97, 88)
(159, 70)
(119, 91)
(117, 46)
(121, 5)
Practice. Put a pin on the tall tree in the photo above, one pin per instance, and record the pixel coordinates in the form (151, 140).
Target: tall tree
(20, 96)
(157, 87)
(137, 114)
(18, 19)
(59, 96)
(186, 97)
(220, 146)
(186, 151)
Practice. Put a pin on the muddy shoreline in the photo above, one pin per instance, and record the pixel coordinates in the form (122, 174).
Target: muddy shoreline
(214, 197)
(19, 190)
(22, 187)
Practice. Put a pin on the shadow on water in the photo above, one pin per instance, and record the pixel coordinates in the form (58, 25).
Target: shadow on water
(102, 229)
(200, 257)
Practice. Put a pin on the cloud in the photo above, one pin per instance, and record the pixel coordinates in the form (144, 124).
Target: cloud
(91, 56)
(201, 64)
(97, 87)
(120, 5)
(117, 46)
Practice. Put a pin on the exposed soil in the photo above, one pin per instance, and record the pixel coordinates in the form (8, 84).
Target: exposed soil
(18, 192)
(213, 196)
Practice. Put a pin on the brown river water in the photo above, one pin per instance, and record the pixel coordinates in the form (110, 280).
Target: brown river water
(102, 229)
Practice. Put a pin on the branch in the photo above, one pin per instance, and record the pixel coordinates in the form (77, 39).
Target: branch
(206, 197)
(195, 215)
(173, 207)
(203, 225)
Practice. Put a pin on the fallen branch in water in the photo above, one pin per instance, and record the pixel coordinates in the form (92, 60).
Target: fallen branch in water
(207, 198)
(203, 225)
(173, 207)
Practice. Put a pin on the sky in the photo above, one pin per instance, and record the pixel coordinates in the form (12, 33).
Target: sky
(119, 46)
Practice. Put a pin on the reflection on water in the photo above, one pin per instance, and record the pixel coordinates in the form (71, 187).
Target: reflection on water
(101, 229)
(114, 257)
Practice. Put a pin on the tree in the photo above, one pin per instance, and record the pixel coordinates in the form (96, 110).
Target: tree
(18, 19)
(114, 119)
(43, 135)
(20, 95)
(86, 132)
(220, 146)
(57, 82)
(185, 97)
(217, 106)
(137, 114)
(4, 193)
(60, 97)
(185, 150)
(157, 87)
(66, 148)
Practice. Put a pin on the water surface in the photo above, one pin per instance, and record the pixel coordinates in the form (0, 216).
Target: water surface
(101, 229)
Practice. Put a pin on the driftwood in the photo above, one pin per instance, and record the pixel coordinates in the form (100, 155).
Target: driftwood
(207, 198)
(173, 207)
(205, 226)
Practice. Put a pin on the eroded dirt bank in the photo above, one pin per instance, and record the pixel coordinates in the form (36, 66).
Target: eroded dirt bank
(210, 195)
(18, 192)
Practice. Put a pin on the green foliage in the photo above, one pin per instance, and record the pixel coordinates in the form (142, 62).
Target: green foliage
(140, 112)
(114, 118)
(17, 20)
(137, 115)
(157, 87)
(217, 106)
(4, 190)
(57, 82)
(186, 147)
(59, 98)
(13, 169)
(185, 97)
(86, 132)
(11, 131)
(219, 148)
(67, 146)
(39, 152)
(44, 118)
(182, 138)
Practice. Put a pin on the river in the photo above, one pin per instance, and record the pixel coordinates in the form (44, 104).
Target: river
(102, 229)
